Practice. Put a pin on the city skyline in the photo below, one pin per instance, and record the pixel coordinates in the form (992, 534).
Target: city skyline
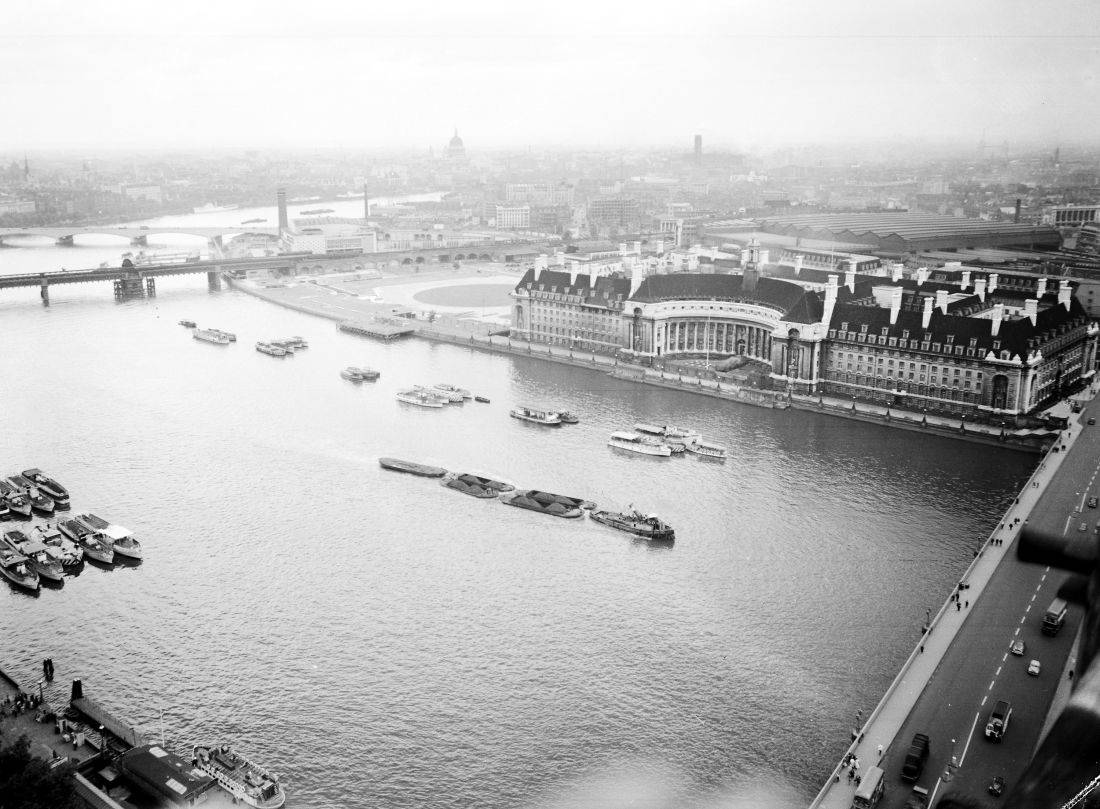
(571, 76)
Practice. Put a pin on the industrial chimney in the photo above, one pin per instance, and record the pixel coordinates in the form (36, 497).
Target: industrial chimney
(284, 223)
(1016, 216)
(366, 202)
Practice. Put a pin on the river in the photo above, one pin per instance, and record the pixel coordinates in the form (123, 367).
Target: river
(383, 641)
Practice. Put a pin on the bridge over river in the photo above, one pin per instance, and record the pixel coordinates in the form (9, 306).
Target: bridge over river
(65, 235)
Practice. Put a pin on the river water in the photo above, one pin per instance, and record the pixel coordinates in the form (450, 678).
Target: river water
(382, 641)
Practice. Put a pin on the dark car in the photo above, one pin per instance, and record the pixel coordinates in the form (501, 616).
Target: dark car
(997, 786)
(915, 758)
(1091, 420)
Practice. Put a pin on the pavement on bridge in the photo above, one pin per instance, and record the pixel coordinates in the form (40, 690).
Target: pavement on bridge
(947, 690)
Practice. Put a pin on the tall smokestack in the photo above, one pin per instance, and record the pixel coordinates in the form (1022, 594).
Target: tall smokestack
(284, 223)
(1016, 216)
(698, 150)
(366, 202)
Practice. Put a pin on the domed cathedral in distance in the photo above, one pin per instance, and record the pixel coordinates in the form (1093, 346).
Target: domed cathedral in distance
(456, 149)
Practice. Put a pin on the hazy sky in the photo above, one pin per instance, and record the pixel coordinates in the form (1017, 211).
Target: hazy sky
(195, 73)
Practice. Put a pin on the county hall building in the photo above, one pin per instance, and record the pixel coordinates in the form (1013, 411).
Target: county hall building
(972, 342)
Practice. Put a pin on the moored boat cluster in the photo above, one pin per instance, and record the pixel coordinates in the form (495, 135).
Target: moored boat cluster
(438, 396)
(646, 526)
(665, 440)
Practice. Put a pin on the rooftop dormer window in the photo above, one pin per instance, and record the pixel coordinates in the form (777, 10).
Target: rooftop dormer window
(973, 342)
(996, 345)
(885, 331)
(950, 339)
(863, 329)
(844, 326)
(905, 334)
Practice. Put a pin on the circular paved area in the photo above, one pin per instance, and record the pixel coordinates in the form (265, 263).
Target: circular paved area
(466, 295)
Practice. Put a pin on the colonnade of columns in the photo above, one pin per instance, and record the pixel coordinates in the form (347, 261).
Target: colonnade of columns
(699, 336)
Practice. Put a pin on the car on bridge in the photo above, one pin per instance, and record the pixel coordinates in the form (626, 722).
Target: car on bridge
(1092, 502)
(1017, 647)
(996, 786)
(1033, 668)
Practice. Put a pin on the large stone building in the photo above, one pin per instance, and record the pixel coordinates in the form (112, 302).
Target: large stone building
(999, 345)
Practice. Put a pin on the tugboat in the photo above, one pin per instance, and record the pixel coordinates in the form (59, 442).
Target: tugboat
(17, 569)
(122, 539)
(39, 502)
(535, 416)
(637, 523)
(421, 397)
(423, 470)
(95, 545)
(36, 554)
(556, 505)
(18, 503)
(239, 777)
(50, 487)
(475, 486)
(61, 547)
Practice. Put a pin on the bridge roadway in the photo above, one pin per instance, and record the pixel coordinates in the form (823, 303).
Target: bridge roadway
(966, 659)
(139, 234)
(144, 271)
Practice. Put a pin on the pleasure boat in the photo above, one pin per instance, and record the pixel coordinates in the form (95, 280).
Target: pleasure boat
(61, 547)
(451, 397)
(210, 336)
(423, 398)
(706, 449)
(535, 416)
(37, 556)
(270, 350)
(423, 470)
(635, 522)
(16, 568)
(39, 502)
(451, 389)
(228, 335)
(239, 777)
(18, 503)
(658, 434)
(353, 374)
(636, 442)
(122, 539)
(50, 487)
(96, 546)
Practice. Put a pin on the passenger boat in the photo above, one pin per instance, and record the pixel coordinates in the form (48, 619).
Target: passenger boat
(450, 397)
(706, 449)
(63, 549)
(482, 399)
(18, 503)
(556, 505)
(675, 437)
(188, 323)
(210, 336)
(418, 396)
(567, 417)
(353, 374)
(423, 470)
(16, 568)
(36, 554)
(636, 442)
(228, 335)
(635, 522)
(474, 485)
(443, 387)
(270, 350)
(39, 501)
(239, 777)
(289, 346)
(122, 539)
(52, 489)
(535, 416)
(95, 545)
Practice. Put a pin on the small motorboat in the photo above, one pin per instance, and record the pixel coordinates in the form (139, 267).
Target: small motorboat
(271, 350)
(39, 501)
(44, 564)
(16, 568)
(420, 397)
(18, 503)
(648, 526)
(188, 323)
(210, 336)
(423, 470)
(228, 335)
(568, 418)
(636, 442)
(705, 449)
(482, 399)
(353, 374)
(52, 489)
(556, 505)
(444, 387)
(122, 539)
(536, 416)
(5, 512)
(475, 486)
(63, 549)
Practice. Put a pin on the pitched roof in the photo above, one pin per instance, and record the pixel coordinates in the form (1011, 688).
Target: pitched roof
(774, 293)
(605, 287)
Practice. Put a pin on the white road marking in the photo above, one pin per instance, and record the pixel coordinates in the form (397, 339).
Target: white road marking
(984, 699)
(1023, 619)
(1028, 608)
(991, 684)
(1033, 596)
(932, 796)
(1017, 632)
(969, 738)
(1066, 529)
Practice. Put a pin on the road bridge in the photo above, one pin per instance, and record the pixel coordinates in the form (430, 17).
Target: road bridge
(65, 234)
(962, 665)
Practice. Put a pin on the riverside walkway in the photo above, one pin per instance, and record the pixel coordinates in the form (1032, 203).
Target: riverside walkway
(921, 675)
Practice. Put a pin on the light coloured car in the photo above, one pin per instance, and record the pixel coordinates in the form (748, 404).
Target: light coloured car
(1017, 647)
(1092, 502)
(1083, 527)
(1033, 668)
